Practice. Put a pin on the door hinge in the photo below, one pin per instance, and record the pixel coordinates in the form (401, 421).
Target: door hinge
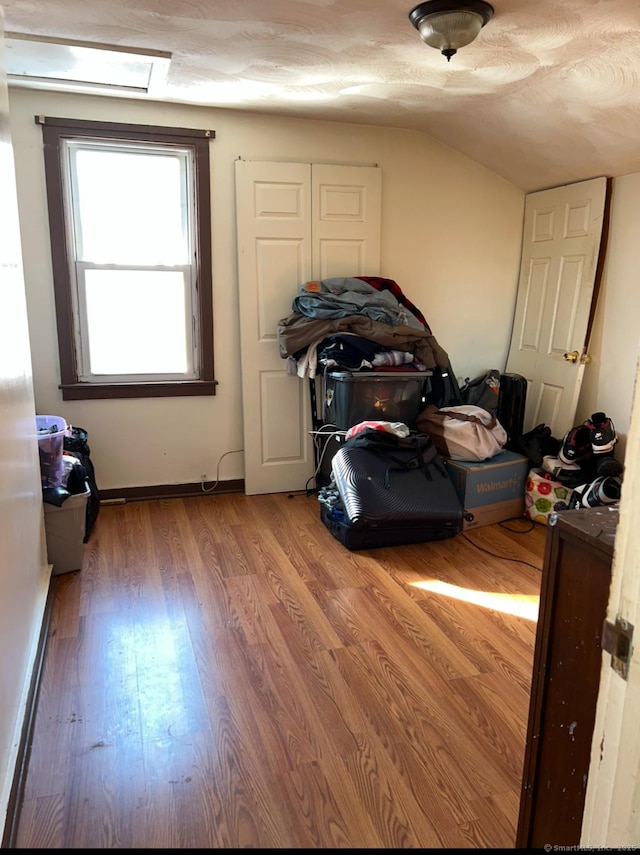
(616, 640)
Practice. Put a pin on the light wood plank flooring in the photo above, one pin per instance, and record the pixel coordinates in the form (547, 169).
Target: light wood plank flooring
(222, 673)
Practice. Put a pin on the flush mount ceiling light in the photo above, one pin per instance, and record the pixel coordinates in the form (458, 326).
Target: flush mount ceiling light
(448, 26)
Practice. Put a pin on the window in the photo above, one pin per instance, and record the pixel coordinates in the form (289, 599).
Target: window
(130, 226)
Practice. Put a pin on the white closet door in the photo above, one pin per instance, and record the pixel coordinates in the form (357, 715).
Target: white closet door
(345, 230)
(295, 222)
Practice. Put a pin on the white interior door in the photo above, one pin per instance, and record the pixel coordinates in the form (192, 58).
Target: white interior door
(560, 249)
(295, 222)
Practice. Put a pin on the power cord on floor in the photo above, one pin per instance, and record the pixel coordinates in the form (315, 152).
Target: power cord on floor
(328, 431)
(530, 526)
(504, 557)
(217, 481)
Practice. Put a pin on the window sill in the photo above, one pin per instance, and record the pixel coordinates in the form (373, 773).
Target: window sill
(97, 391)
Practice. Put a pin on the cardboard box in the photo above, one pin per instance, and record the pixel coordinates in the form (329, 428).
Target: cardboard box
(492, 490)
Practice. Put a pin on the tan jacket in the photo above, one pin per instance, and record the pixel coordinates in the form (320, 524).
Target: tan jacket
(297, 332)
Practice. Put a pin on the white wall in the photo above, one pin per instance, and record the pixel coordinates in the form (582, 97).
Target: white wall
(609, 380)
(450, 238)
(24, 572)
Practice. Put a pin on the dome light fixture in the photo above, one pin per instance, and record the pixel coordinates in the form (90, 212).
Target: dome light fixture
(448, 26)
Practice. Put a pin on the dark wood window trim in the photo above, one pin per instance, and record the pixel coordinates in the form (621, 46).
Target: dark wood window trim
(54, 130)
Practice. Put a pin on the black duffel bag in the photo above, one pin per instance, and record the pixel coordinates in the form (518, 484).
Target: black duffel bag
(77, 445)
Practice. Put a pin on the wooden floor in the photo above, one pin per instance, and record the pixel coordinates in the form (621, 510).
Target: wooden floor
(222, 673)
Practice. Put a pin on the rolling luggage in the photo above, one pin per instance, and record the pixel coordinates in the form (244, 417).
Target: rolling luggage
(511, 403)
(391, 496)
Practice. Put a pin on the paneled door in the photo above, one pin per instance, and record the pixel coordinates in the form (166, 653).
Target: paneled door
(295, 222)
(560, 251)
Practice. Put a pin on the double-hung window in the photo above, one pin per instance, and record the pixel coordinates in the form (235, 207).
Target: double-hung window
(130, 226)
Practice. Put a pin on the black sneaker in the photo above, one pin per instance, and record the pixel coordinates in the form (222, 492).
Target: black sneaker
(602, 433)
(576, 445)
(572, 478)
(603, 491)
(607, 464)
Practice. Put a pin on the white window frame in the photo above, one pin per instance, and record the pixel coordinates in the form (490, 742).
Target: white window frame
(77, 268)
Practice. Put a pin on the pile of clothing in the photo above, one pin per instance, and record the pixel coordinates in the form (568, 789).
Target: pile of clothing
(363, 324)
(356, 322)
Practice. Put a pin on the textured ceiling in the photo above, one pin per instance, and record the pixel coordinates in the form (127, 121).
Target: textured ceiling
(548, 94)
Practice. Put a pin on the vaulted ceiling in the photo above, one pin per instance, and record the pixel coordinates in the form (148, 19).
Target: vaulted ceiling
(548, 94)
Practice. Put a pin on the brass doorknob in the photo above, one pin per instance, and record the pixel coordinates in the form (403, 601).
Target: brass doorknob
(575, 356)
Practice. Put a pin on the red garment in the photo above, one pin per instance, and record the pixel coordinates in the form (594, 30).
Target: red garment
(398, 428)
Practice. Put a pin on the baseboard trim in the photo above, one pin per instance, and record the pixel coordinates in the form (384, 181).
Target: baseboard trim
(16, 795)
(170, 491)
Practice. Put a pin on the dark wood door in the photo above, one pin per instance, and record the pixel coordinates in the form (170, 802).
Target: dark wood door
(566, 676)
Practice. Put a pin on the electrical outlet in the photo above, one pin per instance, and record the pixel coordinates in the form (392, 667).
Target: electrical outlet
(203, 478)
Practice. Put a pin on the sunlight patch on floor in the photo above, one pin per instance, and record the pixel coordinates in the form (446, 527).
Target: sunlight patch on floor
(519, 605)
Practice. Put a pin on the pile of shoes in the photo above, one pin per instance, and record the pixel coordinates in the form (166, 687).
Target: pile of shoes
(583, 460)
(589, 447)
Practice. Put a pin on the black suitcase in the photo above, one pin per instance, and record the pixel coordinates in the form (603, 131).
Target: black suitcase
(511, 404)
(391, 499)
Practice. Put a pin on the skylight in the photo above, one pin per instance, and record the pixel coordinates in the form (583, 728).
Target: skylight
(48, 63)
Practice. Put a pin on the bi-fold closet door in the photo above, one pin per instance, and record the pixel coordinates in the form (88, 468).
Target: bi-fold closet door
(295, 222)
